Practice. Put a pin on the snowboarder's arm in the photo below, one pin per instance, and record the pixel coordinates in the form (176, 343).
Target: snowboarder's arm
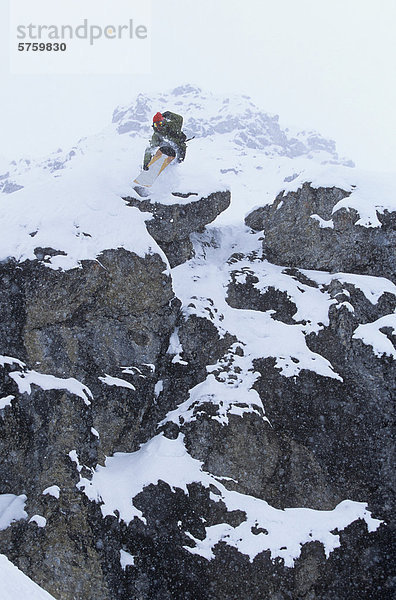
(150, 150)
(156, 140)
(147, 157)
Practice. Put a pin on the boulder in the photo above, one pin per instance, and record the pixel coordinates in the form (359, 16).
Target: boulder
(301, 230)
(171, 224)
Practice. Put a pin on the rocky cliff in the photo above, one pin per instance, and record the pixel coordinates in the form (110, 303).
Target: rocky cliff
(313, 228)
(203, 408)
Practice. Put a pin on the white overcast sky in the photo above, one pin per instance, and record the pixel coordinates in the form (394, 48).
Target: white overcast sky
(328, 65)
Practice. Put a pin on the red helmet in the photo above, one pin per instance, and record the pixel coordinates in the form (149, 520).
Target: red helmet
(158, 117)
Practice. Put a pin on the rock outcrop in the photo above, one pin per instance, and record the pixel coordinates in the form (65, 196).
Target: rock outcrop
(89, 318)
(301, 230)
(172, 224)
(67, 327)
(185, 434)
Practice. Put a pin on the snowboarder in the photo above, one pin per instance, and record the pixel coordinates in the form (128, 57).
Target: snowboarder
(167, 136)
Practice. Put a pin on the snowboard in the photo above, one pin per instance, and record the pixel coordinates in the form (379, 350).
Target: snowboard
(145, 180)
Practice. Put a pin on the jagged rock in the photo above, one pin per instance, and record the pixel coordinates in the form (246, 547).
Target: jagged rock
(9, 187)
(312, 410)
(275, 467)
(112, 311)
(263, 428)
(172, 224)
(247, 296)
(293, 238)
(37, 432)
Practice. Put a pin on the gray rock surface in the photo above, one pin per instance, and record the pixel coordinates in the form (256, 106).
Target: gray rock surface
(108, 311)
(172, 224)
(84, 323)
(293, 238)
(326, 440)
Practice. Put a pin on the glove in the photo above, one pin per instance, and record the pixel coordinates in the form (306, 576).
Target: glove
(145, 168)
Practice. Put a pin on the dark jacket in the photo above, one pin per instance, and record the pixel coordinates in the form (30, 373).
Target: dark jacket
(169, 137)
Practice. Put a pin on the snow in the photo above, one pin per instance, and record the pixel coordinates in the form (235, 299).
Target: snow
(72, 201)
(136, 371)
(322, 223)
(125, 475)
(371, 335)
(194, 177)
(126, 559)
(201, 283)
(74, 458)
(15, 585)
(116, 381)
(287, 530)
(94, 432)
(12, 508)
(25, 380)
(176, 348)
(158, 388)
(53, 490)
(6, 401)
(77, 213)
(373, 193)
(372, 287)
(9, 360)
(231, 397)
(39, 520)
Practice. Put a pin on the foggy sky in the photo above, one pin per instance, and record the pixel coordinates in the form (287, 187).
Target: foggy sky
(320, 64)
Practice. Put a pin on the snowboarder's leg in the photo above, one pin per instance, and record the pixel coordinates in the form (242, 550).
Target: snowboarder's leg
(169, 151)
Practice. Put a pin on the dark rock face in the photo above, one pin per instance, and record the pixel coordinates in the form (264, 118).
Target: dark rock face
(248, 297)
(116, 311)
(171, 225)
(295, 239)
(344, 429)
(36, 435)
(94, 317)
(314, 408)
(274, 466)
(110, 324)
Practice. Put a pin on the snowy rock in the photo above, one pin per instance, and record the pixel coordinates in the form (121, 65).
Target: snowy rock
(218, 429)
(70, 314)
(171, 224)
(295, 235)
(236, 118)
